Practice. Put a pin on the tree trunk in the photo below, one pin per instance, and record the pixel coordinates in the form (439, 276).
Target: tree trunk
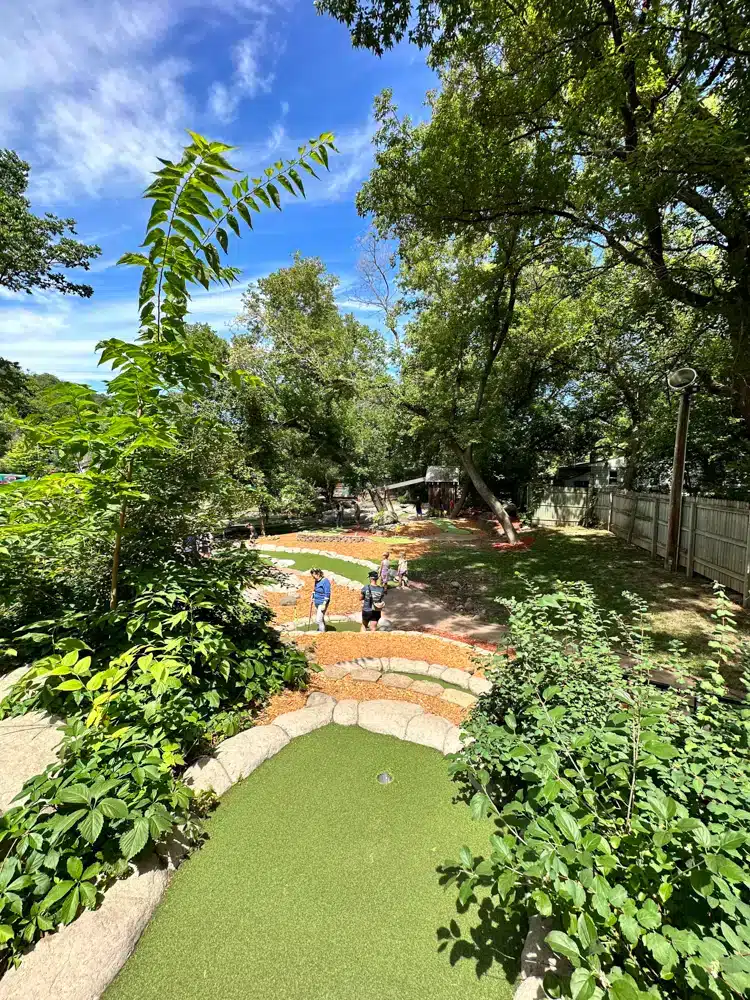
(485, 492)
(463, 496)
(113, 597)
(375, 497)
(262, 521)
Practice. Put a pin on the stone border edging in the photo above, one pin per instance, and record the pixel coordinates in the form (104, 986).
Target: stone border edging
(268, 547)
(80, 960)
(537, 958)
(375, 669)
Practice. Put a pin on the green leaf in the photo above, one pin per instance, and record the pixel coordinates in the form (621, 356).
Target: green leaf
(649, 915)
(568, 825)
(75, 795)
(582, 984)
(114, 808)
(72, 685)
(542, 902)
(88, 895)
(624, 988)
(56, 893)
(92, 825)
(466, 857)
(134, 840)
(69, 909)
(466, 891)
(630, 928)
(221, 236)
(586, 931)
(731, 871)
(6, 933)
(563, 945)
(274, 192)
(75, 868)
(662, 950)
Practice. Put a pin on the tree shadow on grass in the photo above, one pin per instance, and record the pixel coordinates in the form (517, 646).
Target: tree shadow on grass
(487, 936)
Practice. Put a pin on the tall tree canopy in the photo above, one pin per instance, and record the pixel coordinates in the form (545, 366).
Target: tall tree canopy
(625, 120)
(34, 248)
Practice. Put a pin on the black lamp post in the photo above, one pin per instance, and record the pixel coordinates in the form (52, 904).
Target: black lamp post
(682, 381)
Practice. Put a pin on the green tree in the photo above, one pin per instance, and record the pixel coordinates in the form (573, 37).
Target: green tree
(626, 121)
(115, 450)
(33, 249)
(314, 367)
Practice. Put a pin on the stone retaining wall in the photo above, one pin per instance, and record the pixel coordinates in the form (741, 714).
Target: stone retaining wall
(81, 960)
(389, 671)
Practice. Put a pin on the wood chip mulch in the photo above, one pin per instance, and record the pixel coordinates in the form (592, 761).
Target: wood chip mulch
(335, 647)
(491, 647)
(291, 701)
(343, 602)
(371, 550)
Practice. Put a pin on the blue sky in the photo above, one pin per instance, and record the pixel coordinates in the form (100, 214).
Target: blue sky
(92, 91)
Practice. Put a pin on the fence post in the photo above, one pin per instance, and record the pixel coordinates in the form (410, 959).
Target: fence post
(746, 593)
(634, 511)
(655, 529)
(691, 538)
(611, 505)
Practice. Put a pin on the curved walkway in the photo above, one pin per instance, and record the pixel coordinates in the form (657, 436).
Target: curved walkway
(411, 608)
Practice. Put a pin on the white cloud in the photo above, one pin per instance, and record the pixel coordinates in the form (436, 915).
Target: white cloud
(249, 57)
(49, 333)
(87, 93)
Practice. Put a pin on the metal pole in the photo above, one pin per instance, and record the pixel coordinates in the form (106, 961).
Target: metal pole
(672, 555)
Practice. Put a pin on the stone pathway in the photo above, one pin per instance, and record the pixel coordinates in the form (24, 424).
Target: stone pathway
(413, 609)
(27, 745)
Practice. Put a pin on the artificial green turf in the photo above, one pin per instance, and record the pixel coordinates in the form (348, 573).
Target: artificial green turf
(304, 562)
(318, 883)
(434, 680)
(349, 626)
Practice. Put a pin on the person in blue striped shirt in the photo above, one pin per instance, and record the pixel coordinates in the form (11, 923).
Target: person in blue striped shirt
(320, 597)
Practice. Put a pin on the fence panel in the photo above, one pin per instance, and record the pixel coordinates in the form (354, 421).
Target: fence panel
(714, 538)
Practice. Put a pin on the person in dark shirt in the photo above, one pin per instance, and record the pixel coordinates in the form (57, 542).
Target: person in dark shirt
(320, 597)
(373, 600)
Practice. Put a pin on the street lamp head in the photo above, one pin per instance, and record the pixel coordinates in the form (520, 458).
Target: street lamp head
(682, 379)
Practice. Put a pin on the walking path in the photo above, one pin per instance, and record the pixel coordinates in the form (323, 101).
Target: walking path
(413, 609)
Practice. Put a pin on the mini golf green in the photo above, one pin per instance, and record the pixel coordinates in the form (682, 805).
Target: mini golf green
(319, 883)
(304, 562)
(348, 626)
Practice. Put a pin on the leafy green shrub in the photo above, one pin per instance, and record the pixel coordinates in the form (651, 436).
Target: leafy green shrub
(145, 687)
(621, 810)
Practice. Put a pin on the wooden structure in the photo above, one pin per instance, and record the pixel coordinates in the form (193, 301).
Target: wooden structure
(441, 482)
(713, 535)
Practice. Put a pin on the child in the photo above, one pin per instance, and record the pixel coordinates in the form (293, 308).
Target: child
(385, 569)
(402, 576)
(373, 601)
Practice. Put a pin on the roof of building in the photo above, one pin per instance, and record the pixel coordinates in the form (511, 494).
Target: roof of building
(443, 474)
(406, 482)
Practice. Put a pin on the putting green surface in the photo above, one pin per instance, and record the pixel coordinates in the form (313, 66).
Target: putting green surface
(319, 883)
(304, 562)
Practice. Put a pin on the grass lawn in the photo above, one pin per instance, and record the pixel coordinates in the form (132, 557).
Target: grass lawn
(679, 607)
(318, 883)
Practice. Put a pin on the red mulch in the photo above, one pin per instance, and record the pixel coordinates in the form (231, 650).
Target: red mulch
(522, 543)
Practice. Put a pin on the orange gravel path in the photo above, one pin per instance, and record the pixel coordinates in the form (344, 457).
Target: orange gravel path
(343, 602)
(371, 550)
(335, 647)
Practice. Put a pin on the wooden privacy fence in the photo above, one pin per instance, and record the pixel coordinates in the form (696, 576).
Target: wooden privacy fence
(714, 534)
